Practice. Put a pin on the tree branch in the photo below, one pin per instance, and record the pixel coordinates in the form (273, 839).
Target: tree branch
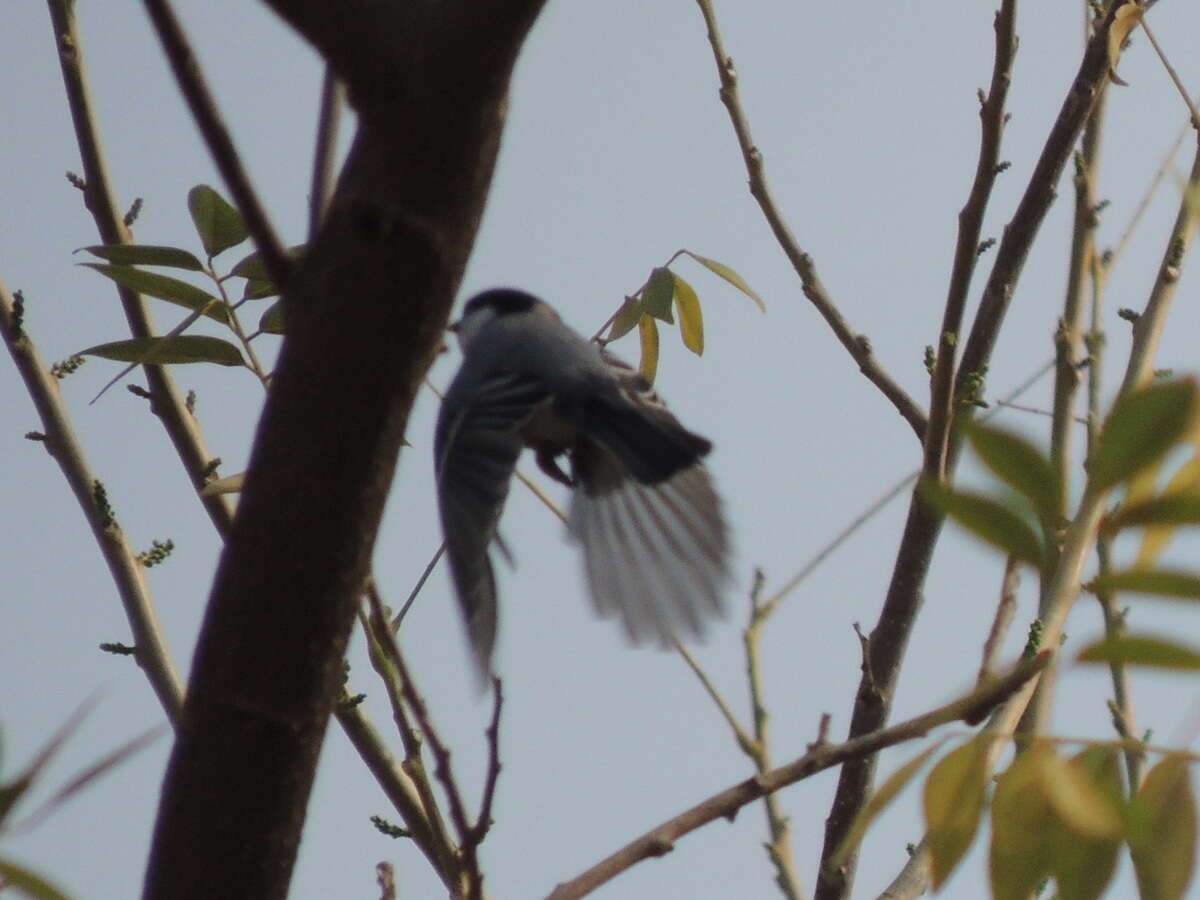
(217, 137)
(150, 649)
(661, 839)
(858, 345)
(992, 117)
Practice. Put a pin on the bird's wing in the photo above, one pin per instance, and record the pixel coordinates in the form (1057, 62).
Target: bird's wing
(656, 555)
(476, 446)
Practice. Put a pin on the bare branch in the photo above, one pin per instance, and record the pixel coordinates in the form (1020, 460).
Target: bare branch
(661, 839)
(1148, 328)
(857, 344)
(216, 135)
(396, 784)
(992, 117)
(127, 573)
(1005, 610)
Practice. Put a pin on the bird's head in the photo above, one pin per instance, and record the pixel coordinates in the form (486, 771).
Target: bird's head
(484, 308)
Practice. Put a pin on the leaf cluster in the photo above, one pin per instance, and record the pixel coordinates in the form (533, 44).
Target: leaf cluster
(219, 227)
(665, 295)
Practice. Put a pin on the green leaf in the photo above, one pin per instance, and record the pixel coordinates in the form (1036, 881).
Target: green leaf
(1159, 582)
(656, 298)
(879, 801)
(1170, 509)
(146, 255)
(253, 268)
(1162, 830)
(987, 519)
(1142, 426)
(1142, 650)
(1019, 856)
(219, 224)
(257, 290)
(163, 287)
(186, 348)
(1083, 866)
(648, 332)
(272, 320)
(626, 319)
(691, 319)
(29, 883)
(954, 796)
(729, 275)
(1020, 465)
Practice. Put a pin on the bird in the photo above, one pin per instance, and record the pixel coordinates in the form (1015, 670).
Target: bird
(643, 506)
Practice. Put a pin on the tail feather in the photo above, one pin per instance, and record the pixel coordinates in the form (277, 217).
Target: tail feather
(656, 556)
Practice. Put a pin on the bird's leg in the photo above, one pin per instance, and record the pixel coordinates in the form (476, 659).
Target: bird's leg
(547, 460)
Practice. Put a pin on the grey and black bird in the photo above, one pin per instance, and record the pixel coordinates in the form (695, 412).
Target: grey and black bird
(643, 507)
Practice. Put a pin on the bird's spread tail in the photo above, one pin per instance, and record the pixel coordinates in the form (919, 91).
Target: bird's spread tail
(656, 556)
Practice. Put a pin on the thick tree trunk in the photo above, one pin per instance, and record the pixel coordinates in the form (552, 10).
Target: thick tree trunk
(365, 311)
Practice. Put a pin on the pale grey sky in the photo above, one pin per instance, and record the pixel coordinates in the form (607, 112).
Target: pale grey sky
(617, 153)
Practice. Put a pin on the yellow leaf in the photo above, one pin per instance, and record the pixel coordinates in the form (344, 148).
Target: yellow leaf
(1126, 19)
(691, 319)
(879, 801)
(1084, 866)
(648, 332)
(1156, 537)
(954, 795)
(729, 275)
(1162, 830)
(1078, 801)
(1019, 857)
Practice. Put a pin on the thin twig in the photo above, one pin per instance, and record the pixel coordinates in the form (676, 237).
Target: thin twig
(412, 597)
(382, 660)
(484, 822)
(1144, 204)
(1068, 340)
(779, 848)
(661, 839)
(150, 648)
(855, 343)
(217, 137)
(1148, 328)
(1178, 82)
(324, 156)
(1124, 721)
(1006, 609)
(744, 741)
(992, 118)
(469, 870)
(397, 786)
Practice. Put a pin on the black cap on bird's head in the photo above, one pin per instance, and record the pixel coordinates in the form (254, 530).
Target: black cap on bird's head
(501, 301)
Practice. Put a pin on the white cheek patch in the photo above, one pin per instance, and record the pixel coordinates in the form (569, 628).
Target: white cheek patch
(470, 326)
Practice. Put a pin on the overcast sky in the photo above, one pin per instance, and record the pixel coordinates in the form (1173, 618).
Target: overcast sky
(617, 153)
